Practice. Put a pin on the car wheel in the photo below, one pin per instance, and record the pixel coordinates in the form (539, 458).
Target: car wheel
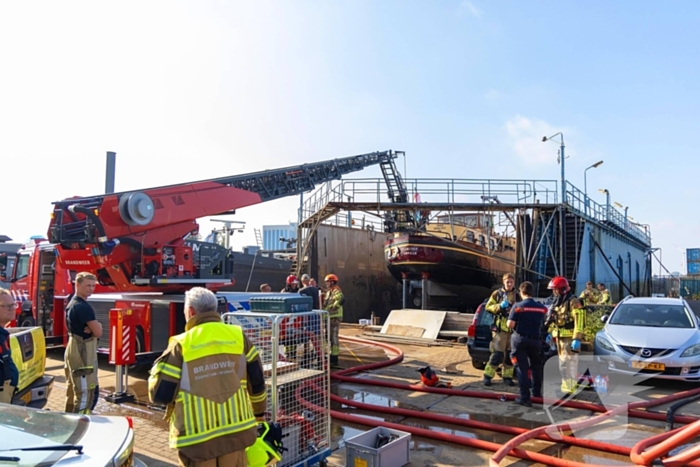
(478, 365)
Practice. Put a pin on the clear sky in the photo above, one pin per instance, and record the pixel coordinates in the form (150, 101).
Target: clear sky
(184, 91)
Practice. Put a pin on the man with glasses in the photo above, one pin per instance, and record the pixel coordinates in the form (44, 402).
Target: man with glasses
(9, 374)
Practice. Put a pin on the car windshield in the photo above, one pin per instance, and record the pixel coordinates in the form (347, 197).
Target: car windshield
(640, 314)
(22, 428)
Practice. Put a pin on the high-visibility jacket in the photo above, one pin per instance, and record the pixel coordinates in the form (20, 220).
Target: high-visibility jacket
(590, 297)
(568, 321)
(333, 302)
(212, 379)
(494, 306)
(605, 298)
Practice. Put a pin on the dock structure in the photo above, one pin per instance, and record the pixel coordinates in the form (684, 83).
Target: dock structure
(578, 238)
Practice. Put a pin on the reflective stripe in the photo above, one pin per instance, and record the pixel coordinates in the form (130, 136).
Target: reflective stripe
(252, 353)
(167, 369)
(259, 398)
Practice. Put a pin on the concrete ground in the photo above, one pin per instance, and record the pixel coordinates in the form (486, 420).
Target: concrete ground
(452, 364)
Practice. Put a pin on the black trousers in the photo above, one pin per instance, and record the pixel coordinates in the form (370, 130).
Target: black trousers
(528, 352)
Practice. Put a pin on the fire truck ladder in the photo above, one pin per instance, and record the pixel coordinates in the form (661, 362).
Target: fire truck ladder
(269, 185)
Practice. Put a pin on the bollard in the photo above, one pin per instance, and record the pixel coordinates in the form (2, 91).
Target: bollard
(122, 352)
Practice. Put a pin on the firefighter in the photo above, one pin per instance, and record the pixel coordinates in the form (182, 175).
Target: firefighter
(566, 321)
(80, 364)
(605, 298)
(526, 319)
(499, 304)
(333, 303)
(590, 296)
(292, 284)
(211, 379)
(9, 374)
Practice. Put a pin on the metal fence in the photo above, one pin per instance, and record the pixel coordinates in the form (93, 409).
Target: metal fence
(294, 352)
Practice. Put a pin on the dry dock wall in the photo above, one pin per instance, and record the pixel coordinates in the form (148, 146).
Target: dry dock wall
(356, 256)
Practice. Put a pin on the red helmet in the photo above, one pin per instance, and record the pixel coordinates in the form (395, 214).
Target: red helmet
(559, 283)
(291, 279)
(331, 278)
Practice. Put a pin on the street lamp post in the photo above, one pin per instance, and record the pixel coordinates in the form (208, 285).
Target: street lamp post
(562, 157)
(625, 208)
(585, 184)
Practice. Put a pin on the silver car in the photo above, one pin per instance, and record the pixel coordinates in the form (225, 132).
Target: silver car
(657, 337)
(31, 437)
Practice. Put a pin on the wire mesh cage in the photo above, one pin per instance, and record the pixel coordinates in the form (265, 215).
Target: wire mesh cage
(294, 351)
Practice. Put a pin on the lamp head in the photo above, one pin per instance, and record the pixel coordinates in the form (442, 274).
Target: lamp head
(618, 205)
(604, 191)
(544, 138)
(597, 164)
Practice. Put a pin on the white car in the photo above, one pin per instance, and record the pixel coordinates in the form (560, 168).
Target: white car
(33, 438)
(657, 337)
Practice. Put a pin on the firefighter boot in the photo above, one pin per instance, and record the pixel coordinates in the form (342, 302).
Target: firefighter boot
(509, 382)
(487, 380)
(568, 386)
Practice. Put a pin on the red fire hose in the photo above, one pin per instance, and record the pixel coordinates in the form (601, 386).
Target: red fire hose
(340, 376)
(666, 443)
(510, 448)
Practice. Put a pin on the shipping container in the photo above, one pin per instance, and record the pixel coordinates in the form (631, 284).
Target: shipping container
(693, 268)
(693, 255)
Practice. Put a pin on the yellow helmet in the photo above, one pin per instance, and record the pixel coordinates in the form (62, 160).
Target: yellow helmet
(268, 446)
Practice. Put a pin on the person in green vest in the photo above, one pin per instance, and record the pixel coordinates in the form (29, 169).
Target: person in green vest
(211, 380)
(605, 298)
(590, 296)
(499, 304)
(333, 303)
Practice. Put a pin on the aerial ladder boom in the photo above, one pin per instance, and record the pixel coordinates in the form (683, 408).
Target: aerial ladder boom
(137, 241)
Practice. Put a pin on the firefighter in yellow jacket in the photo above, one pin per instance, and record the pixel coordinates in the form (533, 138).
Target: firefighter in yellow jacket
(566, 323)
(499, 304)
(333, 303)
(605, 298)
(212, 381)
(590, 295)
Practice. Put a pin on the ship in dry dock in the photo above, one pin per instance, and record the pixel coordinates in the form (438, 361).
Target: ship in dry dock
(461, 254)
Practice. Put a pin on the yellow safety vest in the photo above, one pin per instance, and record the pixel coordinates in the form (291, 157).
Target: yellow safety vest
(334, 302)
(209, 350)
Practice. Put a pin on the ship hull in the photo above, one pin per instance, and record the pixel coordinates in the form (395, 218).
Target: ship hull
(468, 271)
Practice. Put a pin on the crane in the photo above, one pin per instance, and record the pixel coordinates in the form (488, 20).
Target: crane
(136, 241)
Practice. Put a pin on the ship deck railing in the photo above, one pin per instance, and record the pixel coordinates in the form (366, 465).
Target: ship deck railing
(455, 194)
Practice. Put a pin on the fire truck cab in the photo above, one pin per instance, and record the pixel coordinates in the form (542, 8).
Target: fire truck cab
(40, 287)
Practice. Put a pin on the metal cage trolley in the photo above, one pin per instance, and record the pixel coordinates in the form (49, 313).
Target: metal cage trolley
(294, 349)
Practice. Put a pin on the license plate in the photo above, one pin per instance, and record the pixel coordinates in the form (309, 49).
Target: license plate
(648, 366)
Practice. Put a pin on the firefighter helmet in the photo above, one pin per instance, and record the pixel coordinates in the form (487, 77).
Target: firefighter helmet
(559, 283)
(331, 278)
(291, 279)
(267, 447)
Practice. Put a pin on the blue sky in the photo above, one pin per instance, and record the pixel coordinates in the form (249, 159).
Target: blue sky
(191, 90)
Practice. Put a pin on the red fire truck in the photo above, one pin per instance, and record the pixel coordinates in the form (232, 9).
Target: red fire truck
(136, 244)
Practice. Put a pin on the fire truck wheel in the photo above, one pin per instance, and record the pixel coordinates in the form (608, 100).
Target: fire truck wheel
(26, 321)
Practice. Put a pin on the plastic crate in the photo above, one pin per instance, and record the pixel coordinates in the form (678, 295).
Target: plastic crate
(361, 451)
(282, 303)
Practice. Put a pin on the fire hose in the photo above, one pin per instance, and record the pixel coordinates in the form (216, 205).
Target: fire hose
(669, 442)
